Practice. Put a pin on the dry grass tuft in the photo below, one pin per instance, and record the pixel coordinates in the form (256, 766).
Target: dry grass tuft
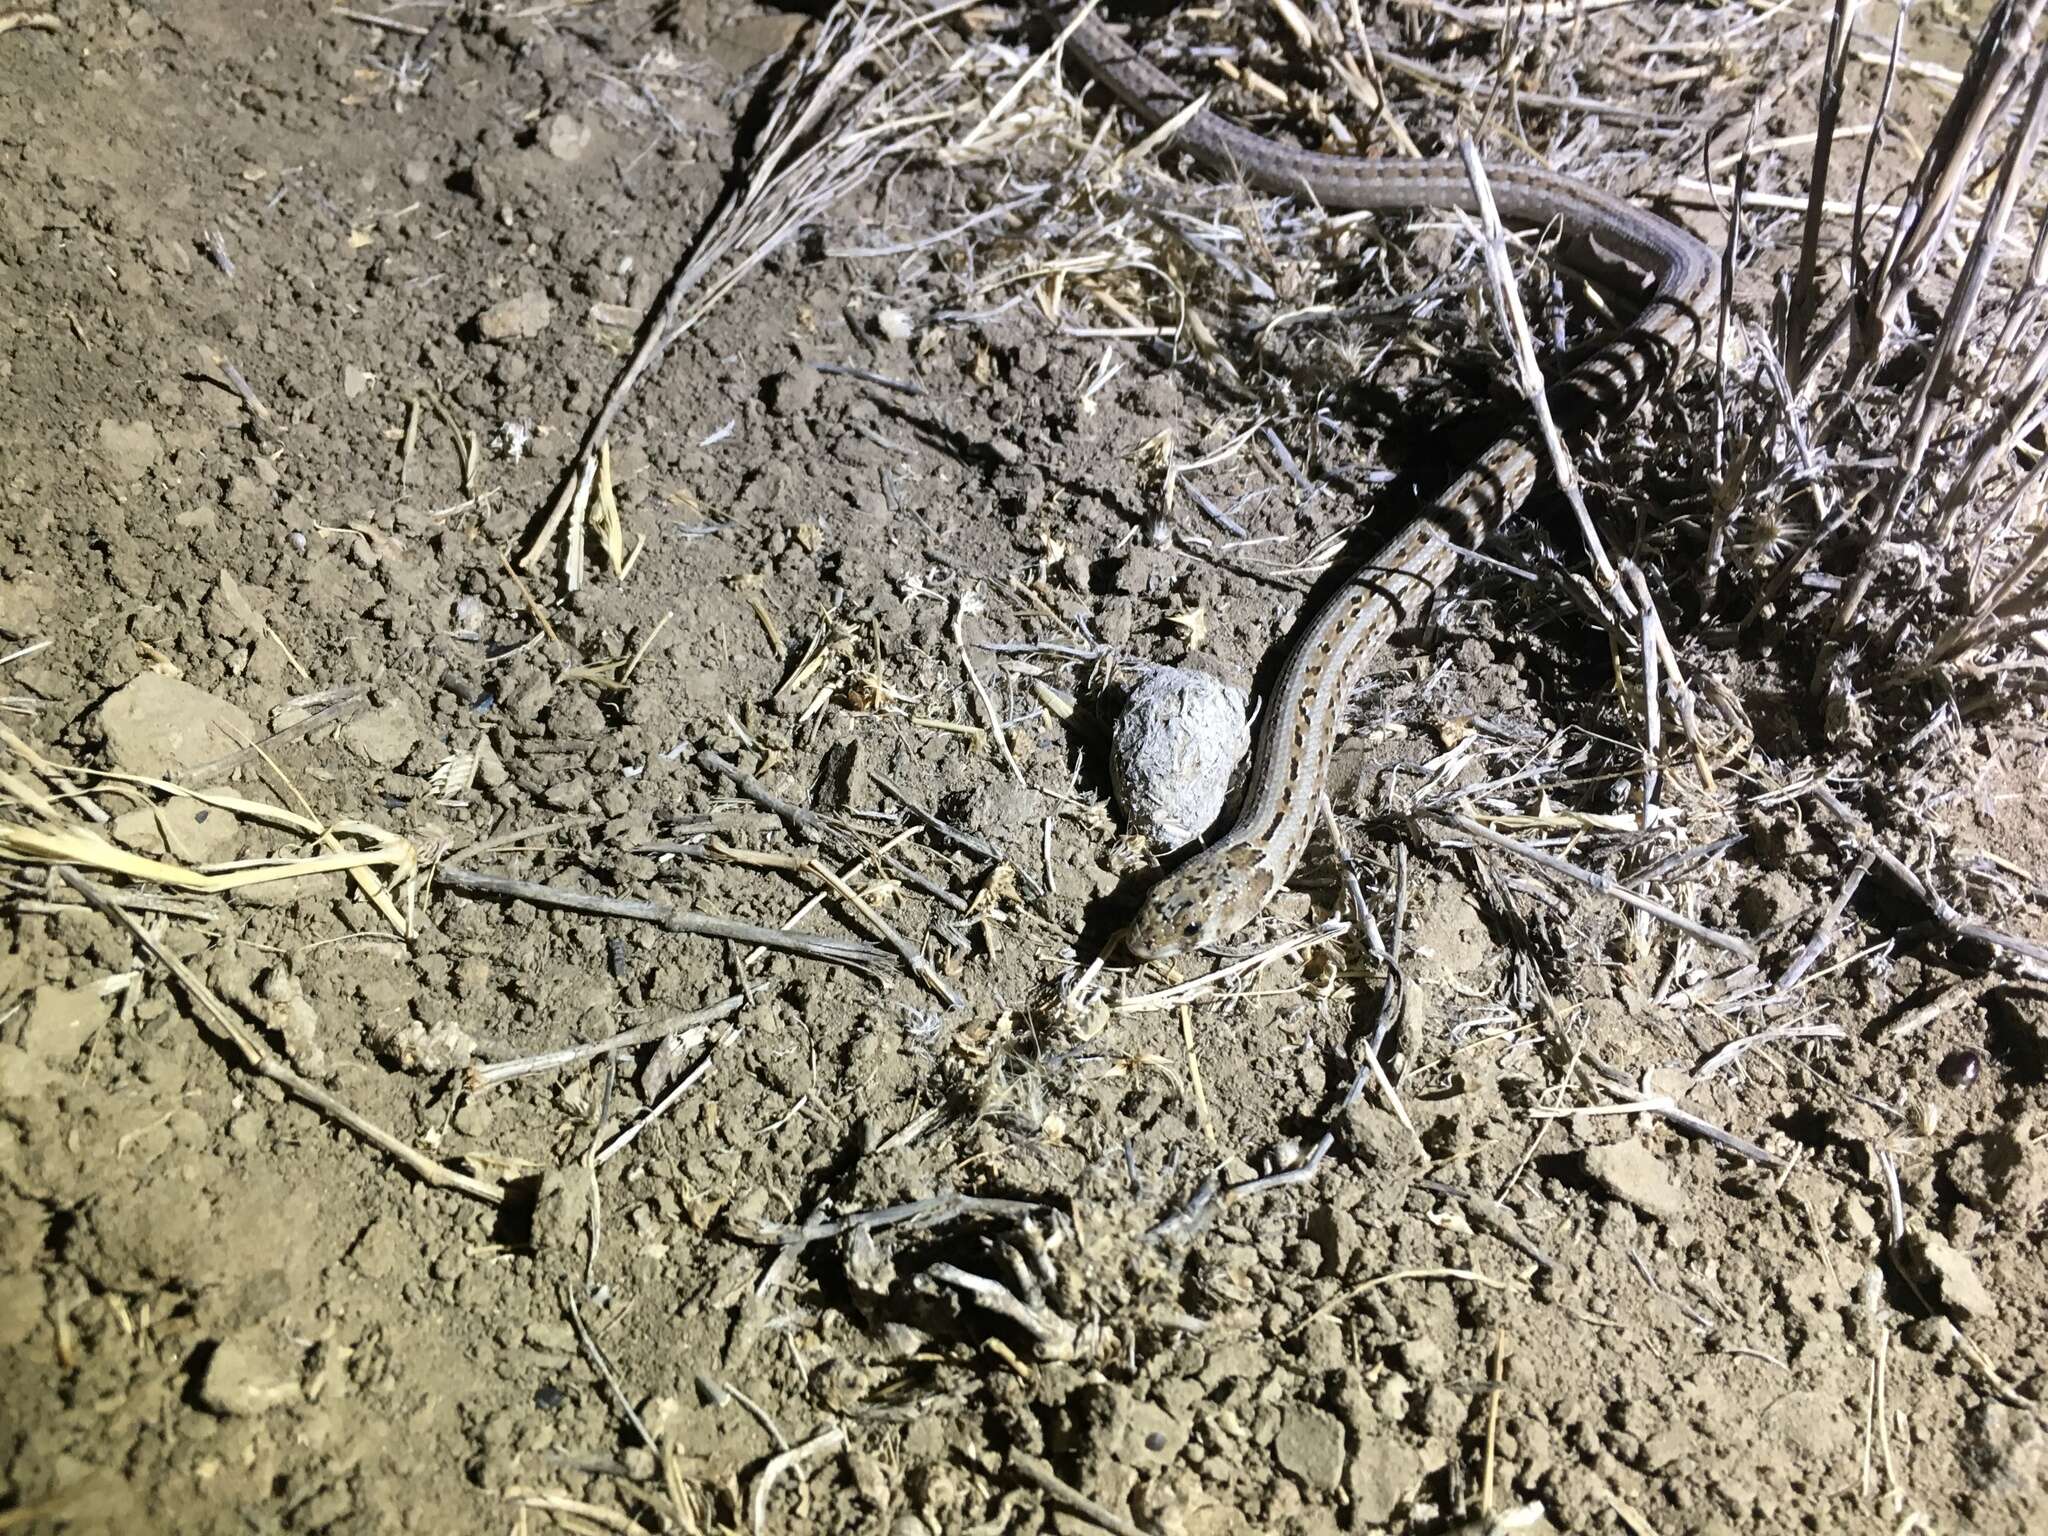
(1843, 506)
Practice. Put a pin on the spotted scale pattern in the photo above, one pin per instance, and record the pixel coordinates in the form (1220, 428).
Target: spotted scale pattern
(1219, 890)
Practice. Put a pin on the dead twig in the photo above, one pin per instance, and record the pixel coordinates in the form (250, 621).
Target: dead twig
(1048, 1482)
(330, 707)
(480, 1077)
(912, 957)
(229, 1030)
(2034, 956)
(603, 1365)
(667, 1101)
(792, 1459)
(854, 953)
(965, 841)
(819, 142)
(1593, 880)
(802, 821)
(990, 717)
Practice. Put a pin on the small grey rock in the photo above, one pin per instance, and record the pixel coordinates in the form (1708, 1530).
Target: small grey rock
(519, 318)
(474, 1118)
(157, 725)
(792, 393)
(1630, 1171)
(1950, 1274)
(1310, 1445)
(385, 736)
(1387, 1477)
(244, 1378)
(130, 448)
(62, 1019)
(565, 136)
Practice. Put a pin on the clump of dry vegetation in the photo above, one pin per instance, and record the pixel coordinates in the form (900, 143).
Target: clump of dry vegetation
(1839, 511)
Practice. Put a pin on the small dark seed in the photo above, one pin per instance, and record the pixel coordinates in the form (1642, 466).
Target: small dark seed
(1959, 1069)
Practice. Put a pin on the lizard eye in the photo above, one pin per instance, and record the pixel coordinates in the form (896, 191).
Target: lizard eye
(1192, 929)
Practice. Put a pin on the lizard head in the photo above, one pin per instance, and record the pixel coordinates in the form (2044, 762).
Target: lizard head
(1202, 903)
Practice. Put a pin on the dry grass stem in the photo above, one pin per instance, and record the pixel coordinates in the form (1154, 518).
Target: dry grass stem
(1593, 880)
(823, 137)
(847, 952)
(229, 1030)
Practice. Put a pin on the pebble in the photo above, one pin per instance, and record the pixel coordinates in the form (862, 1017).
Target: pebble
(131, 448)
(1630, 1171)
(474, 1118)
(244, 1378)
(1423, 1358)
(1389, 1478)
(521, 317)
(385, 736)
(62, 1019)
(1148, 1437)
(791, 393)
(1310, 1444)
(1950, 1274)
(566, 136)
(552, 1334)
(1928, 1335)
(157, 725)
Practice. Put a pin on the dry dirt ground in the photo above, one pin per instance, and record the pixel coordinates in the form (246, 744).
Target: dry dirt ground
(301, 321)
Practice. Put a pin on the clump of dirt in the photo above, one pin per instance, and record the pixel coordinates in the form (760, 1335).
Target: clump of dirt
(478, 1202)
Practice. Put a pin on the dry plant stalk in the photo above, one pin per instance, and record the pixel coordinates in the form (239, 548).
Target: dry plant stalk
(822, 139)
(1937, 523)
